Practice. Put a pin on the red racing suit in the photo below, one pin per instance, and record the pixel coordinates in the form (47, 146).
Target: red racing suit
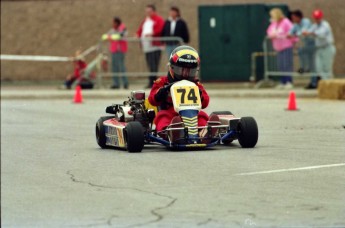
(167, 112)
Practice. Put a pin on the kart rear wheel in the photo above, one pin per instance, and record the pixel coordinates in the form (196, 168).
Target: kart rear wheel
(134, 137)
(248, 133)
(100, 131)
(222, 113)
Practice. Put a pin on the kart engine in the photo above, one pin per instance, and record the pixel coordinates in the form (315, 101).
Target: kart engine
(137, 108)
(133, 110)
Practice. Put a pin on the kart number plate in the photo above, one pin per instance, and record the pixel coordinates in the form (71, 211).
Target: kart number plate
(186, 96)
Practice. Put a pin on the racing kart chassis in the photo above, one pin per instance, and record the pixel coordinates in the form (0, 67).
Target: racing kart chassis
(132, 124)
(195, 141)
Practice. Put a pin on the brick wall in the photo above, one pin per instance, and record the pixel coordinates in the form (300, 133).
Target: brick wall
(59, 27)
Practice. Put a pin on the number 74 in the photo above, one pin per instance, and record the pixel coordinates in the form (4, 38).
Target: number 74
(190, 96)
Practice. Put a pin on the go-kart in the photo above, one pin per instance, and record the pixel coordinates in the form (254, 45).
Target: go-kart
(131, 124)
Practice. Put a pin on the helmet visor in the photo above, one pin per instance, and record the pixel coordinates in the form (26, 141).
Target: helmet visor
(181, 73)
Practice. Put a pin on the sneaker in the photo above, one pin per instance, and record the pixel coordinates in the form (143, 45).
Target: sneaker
(301, 70)
(213, 120)
(288, 85)
(174, 135)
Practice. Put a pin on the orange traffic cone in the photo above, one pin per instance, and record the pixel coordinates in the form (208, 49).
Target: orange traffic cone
(78, 98)
(292, 106)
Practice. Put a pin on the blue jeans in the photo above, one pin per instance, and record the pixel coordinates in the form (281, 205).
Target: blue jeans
(153, 60)
(118, 66)
(285, 64)
(306, 55)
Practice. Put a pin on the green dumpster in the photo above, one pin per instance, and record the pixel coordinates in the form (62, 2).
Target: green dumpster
(228, 35)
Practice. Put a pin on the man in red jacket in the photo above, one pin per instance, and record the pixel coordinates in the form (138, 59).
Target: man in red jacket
(151, 26)
(183, 65)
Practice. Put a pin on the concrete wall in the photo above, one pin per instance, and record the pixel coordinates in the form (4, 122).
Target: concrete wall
(59, 27)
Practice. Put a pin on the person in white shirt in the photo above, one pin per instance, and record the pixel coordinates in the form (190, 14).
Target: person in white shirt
(151, 26)
(324, 42)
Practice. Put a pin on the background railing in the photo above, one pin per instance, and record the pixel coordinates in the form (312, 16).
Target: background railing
(98, 58)
(135, 62)
(299, 64)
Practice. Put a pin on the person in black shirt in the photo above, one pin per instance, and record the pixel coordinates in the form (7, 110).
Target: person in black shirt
(175, 26)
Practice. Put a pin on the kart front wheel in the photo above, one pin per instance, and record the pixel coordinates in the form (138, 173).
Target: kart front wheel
(248, 133)
(100, 131)
(134, 137)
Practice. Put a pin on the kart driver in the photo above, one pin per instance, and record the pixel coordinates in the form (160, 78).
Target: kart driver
(183, 65)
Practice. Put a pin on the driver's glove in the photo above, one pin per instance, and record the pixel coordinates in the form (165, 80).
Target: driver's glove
(162, 93)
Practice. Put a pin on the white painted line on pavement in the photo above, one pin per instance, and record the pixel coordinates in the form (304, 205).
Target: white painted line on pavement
(291, 169)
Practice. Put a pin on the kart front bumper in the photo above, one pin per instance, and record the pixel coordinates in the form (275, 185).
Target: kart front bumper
(197, 141)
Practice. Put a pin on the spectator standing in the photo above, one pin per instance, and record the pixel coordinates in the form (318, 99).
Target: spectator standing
(118, 48)
(307, 50)
(175, 26)
(324, 42)
(278, 32)
(151, 26)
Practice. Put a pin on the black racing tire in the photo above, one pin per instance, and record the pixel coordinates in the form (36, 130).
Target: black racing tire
(248, 133)
(134, 137)
(100, 131)
(222, 113)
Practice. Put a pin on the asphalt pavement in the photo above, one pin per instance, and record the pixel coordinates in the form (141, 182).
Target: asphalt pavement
(53, 174)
